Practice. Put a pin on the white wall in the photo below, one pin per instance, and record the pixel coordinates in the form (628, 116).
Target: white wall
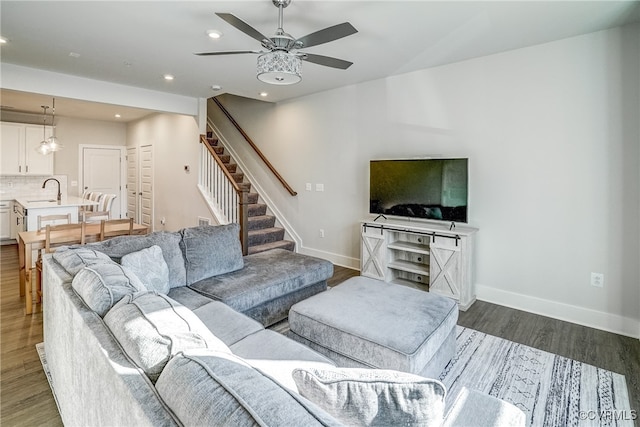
(552, 135)
(175, 139)
(72, 132)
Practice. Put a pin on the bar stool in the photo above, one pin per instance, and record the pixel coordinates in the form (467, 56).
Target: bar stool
(102, 212)
(55, 219)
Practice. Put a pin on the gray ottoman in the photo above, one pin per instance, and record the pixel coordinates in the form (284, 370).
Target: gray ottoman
(368, 323)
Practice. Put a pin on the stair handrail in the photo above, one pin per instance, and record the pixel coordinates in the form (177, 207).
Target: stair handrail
(242, 192)
(255, 148)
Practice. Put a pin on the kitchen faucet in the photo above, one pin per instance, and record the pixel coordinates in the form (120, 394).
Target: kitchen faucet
(59, 198)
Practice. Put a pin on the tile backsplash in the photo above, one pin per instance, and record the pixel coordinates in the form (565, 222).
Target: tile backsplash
(24, 187)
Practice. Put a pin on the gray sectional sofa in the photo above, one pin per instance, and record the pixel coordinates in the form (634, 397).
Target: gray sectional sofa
(168, 329)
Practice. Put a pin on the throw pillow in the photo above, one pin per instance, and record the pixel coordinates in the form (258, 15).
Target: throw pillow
(150, 267)
(169, 242)
(152, 327)
(211, 250)
(101, 286)
(75, 259)
(374, 397)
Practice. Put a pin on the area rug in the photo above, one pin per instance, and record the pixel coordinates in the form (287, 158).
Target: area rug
(47, 372)
(551, 390)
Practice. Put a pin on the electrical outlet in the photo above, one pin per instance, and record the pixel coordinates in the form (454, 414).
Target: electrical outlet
(597, 280)
(308, 186)
(319, 187)
(321, 233)
(163, 221)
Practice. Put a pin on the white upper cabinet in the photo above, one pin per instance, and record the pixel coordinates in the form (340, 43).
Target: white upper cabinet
(18, 154)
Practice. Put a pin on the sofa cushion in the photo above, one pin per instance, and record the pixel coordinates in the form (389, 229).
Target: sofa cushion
(102, 285)
(120, 246)
(266, 276)
(372, 397)
(226, 323)
(211, 250)
(231, 393)
(74, 259)
(278, 356)
(188, 297)
(151, 328)
(150, 267)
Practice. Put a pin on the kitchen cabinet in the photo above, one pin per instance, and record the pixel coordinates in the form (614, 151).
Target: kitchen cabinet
(32, 209)
(17, 220)
(18, 156)
(5, 219)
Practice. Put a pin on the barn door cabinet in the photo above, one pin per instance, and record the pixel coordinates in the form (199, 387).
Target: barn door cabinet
(18, 156)
(427, 256)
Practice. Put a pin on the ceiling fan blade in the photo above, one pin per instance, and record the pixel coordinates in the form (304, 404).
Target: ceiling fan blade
(327, 61)
(244, 27)
(327, 35)
(231, 52)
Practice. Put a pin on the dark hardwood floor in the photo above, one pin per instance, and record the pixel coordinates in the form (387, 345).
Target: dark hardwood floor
(26, 399)
(25, 396)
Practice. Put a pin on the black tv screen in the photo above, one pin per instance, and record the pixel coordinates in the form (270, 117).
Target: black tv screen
(434, 189)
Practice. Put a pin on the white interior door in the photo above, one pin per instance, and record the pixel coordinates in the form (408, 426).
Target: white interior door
(132, 183)
(146, 185)
(102, 171)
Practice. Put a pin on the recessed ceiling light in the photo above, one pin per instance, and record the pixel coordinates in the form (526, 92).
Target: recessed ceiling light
(117, 116)
(74, 54)
(169, 77)
(214, 34)
(3, 40)
(263, 94)
(216, 87)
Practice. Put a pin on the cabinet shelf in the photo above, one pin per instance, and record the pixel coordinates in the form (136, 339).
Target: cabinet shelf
(410, 267)
(417, 248)
(410, 284)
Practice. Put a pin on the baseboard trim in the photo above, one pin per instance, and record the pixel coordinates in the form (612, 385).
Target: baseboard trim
(566, 312)
(341, 260)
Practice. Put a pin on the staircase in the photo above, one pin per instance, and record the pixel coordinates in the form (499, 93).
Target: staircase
(263, 233)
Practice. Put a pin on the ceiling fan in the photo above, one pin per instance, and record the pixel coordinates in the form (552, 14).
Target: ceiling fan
(281, 63)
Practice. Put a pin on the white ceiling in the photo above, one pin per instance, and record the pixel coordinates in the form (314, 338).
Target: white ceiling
(135, 43)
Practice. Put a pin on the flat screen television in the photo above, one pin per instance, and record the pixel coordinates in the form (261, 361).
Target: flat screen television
(433, 189)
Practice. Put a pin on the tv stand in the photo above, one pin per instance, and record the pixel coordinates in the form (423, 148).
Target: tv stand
(430, 256)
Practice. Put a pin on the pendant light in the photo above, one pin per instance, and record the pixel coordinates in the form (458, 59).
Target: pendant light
(54, 145)
(43, 148)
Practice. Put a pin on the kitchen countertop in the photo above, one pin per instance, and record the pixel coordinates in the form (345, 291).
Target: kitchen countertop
(52, 203)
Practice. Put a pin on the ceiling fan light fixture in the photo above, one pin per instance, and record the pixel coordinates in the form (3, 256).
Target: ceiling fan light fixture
(279, 68)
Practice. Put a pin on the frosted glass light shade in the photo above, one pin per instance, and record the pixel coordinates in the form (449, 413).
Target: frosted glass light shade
(43, 148)
(54, 145)
(279, 68)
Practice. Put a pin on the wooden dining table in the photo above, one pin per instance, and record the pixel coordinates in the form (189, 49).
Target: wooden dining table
(29, 241)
